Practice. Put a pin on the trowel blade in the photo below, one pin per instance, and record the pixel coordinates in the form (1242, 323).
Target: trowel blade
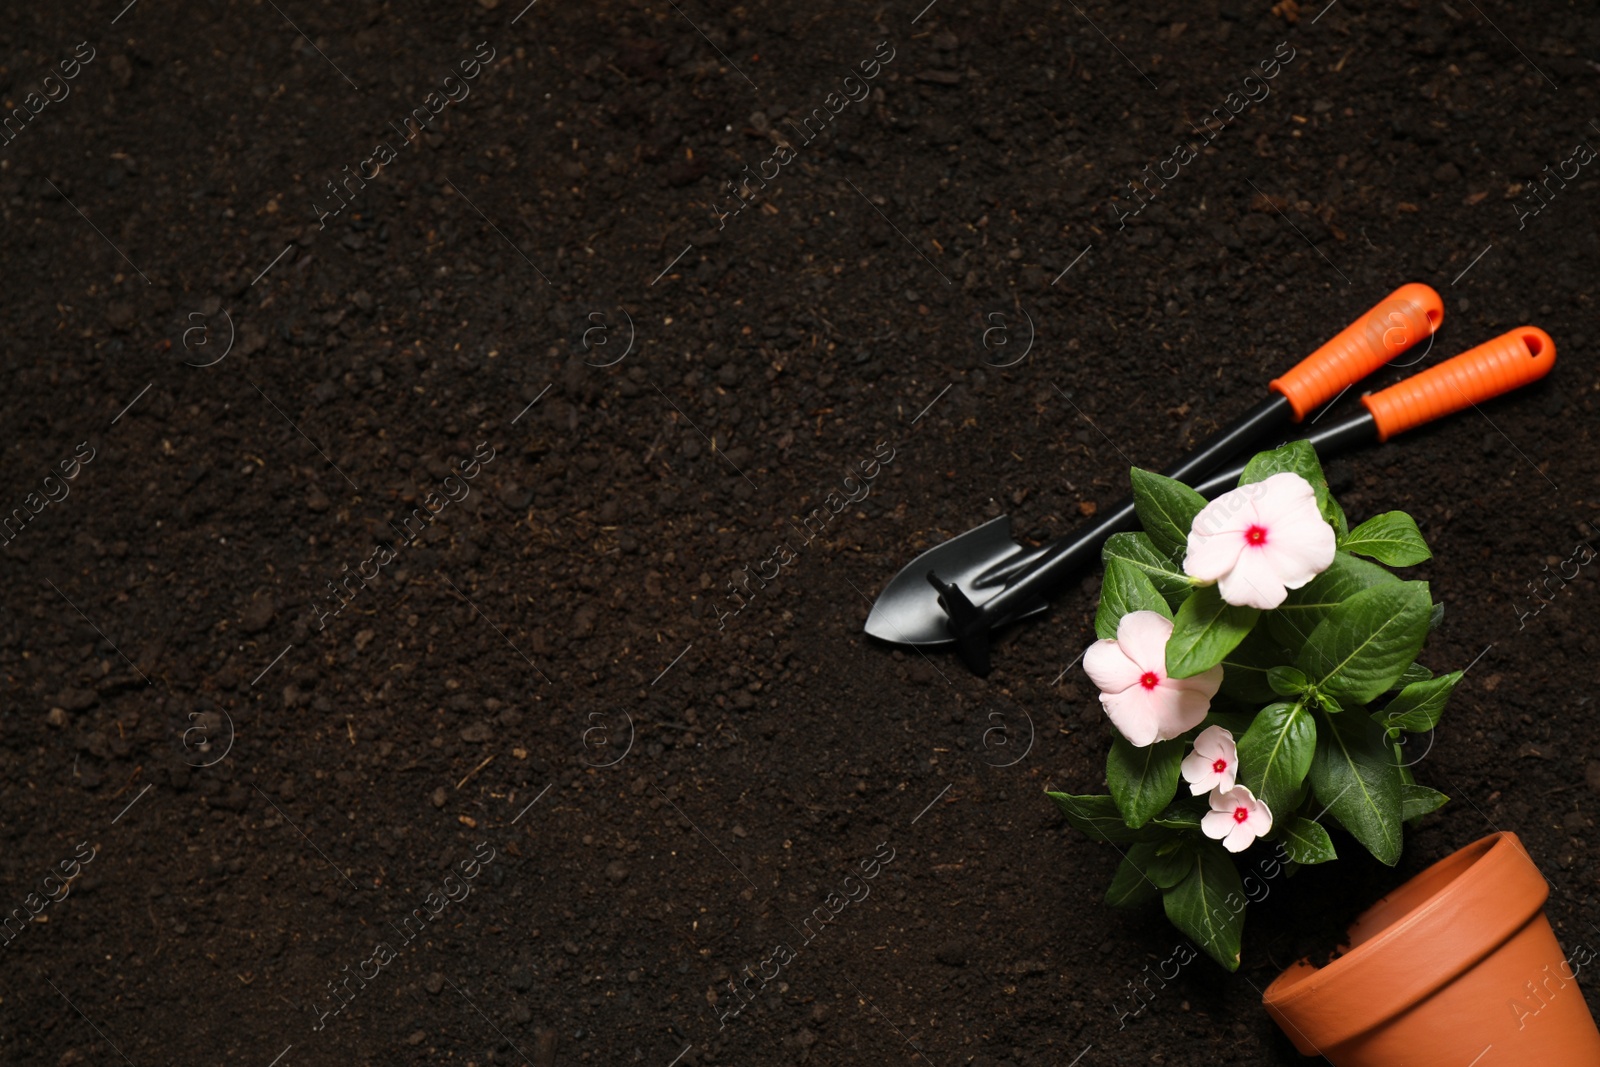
(979, 561)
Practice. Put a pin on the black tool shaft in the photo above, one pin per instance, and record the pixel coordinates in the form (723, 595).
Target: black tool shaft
(1262, 421)
(1066, 556)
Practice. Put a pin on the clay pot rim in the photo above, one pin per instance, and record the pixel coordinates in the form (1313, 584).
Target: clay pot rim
(1494, 870)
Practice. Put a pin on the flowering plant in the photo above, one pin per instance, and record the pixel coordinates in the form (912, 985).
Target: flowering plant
(1248, 651)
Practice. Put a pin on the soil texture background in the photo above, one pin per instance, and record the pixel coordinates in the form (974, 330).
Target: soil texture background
(282, 278)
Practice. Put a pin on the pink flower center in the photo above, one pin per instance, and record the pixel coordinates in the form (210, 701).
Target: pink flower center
(1255, 535)
(1241, 814)
(1220, 766)
(1149, 679)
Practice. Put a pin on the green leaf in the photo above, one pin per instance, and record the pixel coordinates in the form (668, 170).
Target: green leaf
(1275, 754)
(1304, 608)
(1096, 816)
(1171, 863)
(1208, 905)
(1414, 673)
(1184, 815)
(1419, 800)
(1206, 629)
(1146, 869)
(1334, 514)
(1297, 457)
(1286, 681)
(1166, 510)
(1245, 682)
(1402, 745)
(1327, 703)
(1245, 669)
(1143, 780)
(1138, 550)
(1355, 775)
(1125, 589)
(1363, 645)
(1391, 538)
(1420, 704)
(1307, 842)
(1129, 886)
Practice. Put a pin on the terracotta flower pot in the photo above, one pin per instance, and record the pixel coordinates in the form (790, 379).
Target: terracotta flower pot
(1457, 967)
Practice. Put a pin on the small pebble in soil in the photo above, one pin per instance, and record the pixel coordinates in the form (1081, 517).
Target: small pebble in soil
(435, 982)
(77, 699)
(258, 615)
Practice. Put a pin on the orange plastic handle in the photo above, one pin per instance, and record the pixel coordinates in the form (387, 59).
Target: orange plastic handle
(1513, 359)
(1406, 316)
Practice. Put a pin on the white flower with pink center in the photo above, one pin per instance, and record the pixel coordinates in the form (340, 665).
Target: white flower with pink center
(1236, 818)
(1260, 540)
(1143, 703)
(1214, 763)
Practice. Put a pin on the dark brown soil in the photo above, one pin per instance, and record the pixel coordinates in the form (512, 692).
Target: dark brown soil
(697, 791)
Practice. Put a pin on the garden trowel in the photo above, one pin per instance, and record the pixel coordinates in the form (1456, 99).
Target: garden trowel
(960, 590)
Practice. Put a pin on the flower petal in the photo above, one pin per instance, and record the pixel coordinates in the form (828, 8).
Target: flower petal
(1143, 637)
(1215, 742)
(1109, 668)
(1211, 556)
(1283, 495)
(1300, 547)
(1253, 582)
(1232, 512)
(1217, 824)
(1195, 766)
(1240, 838)
(1179, 710)
(1206, 683)
(1136, 714)
(1197, 771)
